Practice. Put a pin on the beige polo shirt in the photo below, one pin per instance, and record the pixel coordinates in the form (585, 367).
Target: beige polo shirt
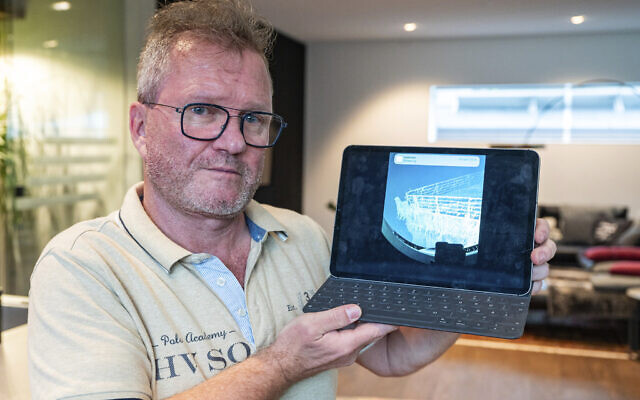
(118, 310)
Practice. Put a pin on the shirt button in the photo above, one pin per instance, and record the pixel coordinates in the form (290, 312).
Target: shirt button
(242, 312)
(221, 281)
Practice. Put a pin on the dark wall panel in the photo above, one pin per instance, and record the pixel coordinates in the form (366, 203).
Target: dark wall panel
(287, 69)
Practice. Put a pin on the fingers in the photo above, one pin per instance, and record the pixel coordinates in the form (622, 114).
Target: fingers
(544, 252)
(372, 332)
(362, 335)
(542, 230)
(367, 334)
(540, 256)
(545, 248)
(540, 272)
(537, 286)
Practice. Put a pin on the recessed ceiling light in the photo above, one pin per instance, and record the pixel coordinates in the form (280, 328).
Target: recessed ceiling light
(410, 27)
(61, 5)
(50, 44)
(577, 19)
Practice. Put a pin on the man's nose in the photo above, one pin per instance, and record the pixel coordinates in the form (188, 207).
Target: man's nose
(231, 138)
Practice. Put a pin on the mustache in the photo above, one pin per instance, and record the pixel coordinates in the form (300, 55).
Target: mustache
(221, 160)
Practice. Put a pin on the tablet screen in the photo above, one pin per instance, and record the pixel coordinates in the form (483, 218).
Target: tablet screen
(459, 218)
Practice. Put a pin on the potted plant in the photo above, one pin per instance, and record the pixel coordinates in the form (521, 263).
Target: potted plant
(4, 207)
(12, 172)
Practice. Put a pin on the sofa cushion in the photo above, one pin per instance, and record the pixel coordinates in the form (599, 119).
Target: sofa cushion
(602, 253)
(602, 266)
(630, 237)
(625, 268)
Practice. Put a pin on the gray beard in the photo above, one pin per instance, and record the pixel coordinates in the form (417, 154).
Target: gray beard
(178, 188)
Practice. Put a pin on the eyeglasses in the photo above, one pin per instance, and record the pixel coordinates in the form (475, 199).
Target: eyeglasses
(202, 121)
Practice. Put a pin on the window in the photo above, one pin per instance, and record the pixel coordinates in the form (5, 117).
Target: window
(64, 121)
(589, 112)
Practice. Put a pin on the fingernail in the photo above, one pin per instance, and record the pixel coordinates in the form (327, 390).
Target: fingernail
(353, 313)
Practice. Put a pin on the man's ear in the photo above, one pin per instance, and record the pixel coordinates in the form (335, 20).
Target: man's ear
(137, 126)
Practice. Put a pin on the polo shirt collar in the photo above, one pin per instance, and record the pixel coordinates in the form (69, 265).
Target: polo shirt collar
(139, 225)
(135, 220)
(258, 215)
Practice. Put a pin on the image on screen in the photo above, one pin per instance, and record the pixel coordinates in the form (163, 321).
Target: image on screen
(432, 206)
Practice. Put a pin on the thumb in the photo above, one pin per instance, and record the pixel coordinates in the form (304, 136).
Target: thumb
(337, 318)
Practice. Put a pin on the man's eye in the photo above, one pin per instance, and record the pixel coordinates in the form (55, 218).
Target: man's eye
(197, 110)
(251, 118)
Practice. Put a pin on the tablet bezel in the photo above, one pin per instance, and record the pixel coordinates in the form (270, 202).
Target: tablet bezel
(526, 156)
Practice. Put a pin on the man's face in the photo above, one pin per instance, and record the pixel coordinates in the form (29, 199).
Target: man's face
(213, 178)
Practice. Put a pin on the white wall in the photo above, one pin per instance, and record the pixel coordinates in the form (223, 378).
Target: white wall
(378, 93)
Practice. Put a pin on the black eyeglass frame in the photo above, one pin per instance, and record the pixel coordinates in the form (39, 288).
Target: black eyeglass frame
(244, 114)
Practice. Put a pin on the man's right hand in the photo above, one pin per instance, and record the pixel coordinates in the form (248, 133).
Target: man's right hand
(309, 344)
(313, 342)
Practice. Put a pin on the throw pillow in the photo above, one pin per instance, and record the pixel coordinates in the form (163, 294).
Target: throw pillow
(608, 230)
(625, 268)
(602, 253)
(578, 223)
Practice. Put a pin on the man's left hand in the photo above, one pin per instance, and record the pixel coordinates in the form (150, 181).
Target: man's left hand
(409, 349)
(544, 251)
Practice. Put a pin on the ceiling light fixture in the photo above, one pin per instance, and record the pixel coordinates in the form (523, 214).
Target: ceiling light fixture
(61, 5)
(410, 27)
(577, 19)
(50, 44)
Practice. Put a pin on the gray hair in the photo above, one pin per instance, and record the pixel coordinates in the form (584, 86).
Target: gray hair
(228, 23)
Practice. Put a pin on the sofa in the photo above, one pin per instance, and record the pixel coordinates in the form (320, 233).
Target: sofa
(598, 258)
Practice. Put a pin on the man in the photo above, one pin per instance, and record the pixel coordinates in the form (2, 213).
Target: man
(185, 291)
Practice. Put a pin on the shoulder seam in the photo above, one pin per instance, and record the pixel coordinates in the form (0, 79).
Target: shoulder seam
(96, 229)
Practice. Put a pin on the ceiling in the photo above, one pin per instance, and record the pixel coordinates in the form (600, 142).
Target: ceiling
(339, 20)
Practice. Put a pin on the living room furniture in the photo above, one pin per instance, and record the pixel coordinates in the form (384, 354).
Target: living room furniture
(576, 228)
(634, 321)
(584, 290)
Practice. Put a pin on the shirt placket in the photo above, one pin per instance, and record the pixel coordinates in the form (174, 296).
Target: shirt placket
(225, 285)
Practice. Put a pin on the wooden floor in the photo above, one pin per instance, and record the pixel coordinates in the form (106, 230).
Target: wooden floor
(474, 368)
(480, 368)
